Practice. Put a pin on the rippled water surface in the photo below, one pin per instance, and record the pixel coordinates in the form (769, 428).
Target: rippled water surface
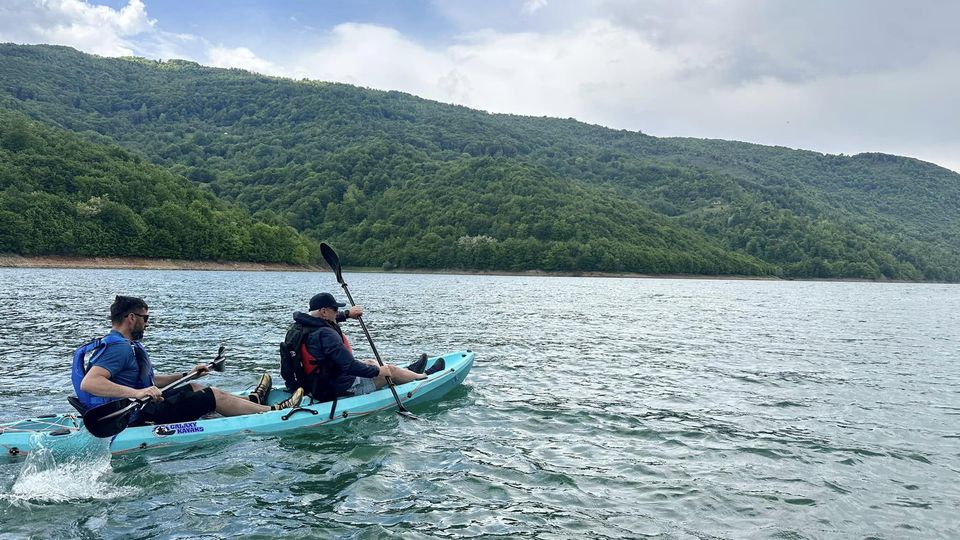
(598, 408)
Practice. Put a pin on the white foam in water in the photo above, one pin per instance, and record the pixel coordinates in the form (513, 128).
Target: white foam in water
(66, 470)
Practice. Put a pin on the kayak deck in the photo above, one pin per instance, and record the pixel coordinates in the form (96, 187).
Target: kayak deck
(20, 437)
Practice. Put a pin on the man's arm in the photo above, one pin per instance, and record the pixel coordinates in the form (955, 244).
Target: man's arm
(350, 313)
(328, 343)
(97, 382)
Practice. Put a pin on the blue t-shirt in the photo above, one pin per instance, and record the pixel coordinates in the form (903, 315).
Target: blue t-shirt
(120, 359)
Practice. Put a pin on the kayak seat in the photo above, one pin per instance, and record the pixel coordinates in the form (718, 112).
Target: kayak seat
(73, 400)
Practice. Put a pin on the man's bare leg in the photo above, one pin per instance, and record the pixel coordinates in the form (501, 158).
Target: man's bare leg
(231, 405)
(398, 374)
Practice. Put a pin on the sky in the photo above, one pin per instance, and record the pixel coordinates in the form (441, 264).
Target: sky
(832, 76)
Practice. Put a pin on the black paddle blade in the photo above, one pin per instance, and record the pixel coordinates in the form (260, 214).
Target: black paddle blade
(101, 424)
(219, 362)
(332, 259)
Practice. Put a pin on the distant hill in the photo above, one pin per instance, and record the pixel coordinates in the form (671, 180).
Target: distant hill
(60, 194)
(395, 180)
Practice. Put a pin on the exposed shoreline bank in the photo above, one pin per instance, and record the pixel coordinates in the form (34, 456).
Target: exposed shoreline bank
(139, 263)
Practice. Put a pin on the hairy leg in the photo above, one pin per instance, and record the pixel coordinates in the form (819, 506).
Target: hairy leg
(399, 375)
(231, 405)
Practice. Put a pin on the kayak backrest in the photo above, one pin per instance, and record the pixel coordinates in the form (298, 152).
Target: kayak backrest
(75, 402)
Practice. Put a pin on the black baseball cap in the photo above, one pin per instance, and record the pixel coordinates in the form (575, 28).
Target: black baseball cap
(323, 300)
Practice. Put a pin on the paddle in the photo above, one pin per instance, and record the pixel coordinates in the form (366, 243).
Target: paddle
(333, 260)
(111, 418)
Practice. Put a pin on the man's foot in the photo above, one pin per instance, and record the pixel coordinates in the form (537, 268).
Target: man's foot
(291, 402)
(419, 365)
(260, 393)
(439, 365)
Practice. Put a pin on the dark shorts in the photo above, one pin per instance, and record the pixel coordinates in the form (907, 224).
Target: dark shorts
(179, 405)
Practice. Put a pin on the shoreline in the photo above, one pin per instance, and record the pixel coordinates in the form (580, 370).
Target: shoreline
(142, 263)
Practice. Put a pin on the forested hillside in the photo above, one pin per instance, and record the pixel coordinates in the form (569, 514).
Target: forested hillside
(61, 194)
(394, 180)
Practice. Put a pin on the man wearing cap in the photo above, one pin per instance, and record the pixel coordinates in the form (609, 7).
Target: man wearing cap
(338, 372)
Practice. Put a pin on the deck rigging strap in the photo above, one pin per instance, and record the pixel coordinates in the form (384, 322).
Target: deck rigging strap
(48, 426)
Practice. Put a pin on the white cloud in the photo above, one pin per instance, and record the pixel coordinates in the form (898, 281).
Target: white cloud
(532, 6)
(238, 57)
(114, 32)
(372, 56)
(855, 76)
(628, 76)
(97, 29)
(561, 75)
(795, 41)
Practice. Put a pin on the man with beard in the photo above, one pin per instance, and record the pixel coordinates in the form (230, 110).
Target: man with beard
(121, 368)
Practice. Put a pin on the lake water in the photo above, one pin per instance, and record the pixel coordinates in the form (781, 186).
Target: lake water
(598, 408)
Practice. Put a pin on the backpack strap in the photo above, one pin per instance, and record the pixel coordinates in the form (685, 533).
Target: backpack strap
(100, 345)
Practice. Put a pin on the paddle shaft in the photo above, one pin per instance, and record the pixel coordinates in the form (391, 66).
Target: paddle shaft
(140, 403)
(376, 354)
(334, 261)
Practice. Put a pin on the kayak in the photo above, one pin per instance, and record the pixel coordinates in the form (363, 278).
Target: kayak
(21, 437)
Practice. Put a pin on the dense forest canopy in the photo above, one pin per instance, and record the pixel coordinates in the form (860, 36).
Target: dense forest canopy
(62, 194)
(397, 181)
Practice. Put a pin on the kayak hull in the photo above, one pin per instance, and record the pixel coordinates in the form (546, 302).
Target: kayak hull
(20, 438)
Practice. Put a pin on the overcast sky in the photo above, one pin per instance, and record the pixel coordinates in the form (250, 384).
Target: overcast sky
(833, 76)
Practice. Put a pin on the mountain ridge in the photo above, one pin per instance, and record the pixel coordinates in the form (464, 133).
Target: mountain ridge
(322, 156)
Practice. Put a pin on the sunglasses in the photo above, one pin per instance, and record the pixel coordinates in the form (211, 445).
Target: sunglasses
(145, 318)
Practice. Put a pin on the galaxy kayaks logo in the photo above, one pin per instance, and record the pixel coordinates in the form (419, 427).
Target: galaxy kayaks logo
(165, 430)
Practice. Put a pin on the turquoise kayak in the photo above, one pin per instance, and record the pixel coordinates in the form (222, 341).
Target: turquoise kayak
(22, 437)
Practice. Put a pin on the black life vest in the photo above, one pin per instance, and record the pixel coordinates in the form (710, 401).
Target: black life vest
(300, 369)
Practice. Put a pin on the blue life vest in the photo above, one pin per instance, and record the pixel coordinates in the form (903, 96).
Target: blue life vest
(84, 356)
